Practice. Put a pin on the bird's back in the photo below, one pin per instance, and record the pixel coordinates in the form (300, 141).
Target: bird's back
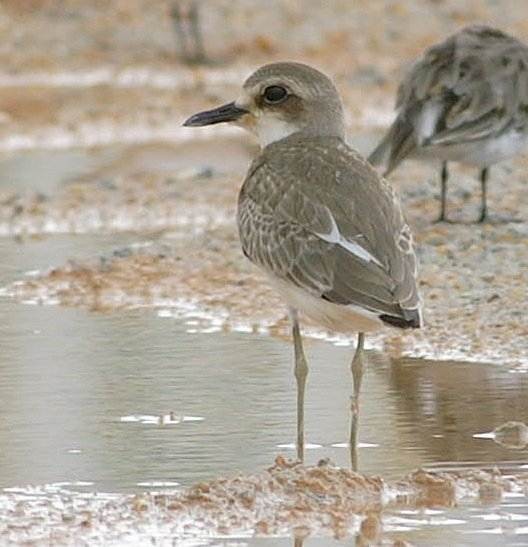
(314, 213)
(471, 87)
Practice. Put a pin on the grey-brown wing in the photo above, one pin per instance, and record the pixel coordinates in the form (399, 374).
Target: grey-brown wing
(339, 237)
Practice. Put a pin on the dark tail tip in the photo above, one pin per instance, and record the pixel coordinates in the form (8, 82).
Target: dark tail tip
(411, 321)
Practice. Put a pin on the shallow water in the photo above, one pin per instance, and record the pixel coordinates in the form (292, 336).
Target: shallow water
(75, 380)
(83, 395)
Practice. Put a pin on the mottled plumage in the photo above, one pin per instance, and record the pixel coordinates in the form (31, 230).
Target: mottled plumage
(317, 218)
(464, 100)
(296, 193)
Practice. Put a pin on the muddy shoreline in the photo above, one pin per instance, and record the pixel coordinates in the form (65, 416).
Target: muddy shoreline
(287, 499)
(187, 258)
(92, 151)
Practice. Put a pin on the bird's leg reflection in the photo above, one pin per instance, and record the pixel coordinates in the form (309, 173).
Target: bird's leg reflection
(301, 372)
(357, 375)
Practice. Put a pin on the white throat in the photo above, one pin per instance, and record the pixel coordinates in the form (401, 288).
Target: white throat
(272, 128)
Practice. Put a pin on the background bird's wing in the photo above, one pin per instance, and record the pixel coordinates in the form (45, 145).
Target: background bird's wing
(472, 86)
(318, 216)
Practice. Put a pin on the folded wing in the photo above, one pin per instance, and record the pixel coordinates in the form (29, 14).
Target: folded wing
(472, 86)
(341, 237)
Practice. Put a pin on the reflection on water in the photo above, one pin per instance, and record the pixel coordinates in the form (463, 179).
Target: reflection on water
(132, 401)
(73, 381)
(446, 404)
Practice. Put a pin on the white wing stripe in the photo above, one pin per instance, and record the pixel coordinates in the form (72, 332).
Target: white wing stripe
(351, 246)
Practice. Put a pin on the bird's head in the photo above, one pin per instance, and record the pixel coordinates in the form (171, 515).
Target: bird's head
(278, 100)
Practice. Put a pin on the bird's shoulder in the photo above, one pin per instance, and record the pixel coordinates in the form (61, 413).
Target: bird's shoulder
(321, 218)
(328, 190)
(325, 168)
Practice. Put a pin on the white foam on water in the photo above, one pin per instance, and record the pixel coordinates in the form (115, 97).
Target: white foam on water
(242, 327)
(163, 419)
(420, 512)
(60, 484)
(307, 446)
(359, 445)
(157, 484)
(488, 435)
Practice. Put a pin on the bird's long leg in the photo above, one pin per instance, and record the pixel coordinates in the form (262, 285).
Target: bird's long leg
(444, 176)
(357, 376)
(194, 17)
(178, 16)
(484, 198)
(301, 372)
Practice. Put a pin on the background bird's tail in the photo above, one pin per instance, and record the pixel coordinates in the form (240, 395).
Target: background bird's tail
(396, 145)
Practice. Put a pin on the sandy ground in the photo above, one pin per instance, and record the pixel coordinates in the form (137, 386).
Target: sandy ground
(77, 73)
(473, 278)
(287, 498)
(91, 65)
(129, 85)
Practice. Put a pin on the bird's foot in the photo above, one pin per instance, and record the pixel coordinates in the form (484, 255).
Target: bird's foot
(498, 219)
(442, 219)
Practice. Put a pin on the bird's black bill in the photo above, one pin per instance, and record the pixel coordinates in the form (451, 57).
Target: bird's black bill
(225, 113)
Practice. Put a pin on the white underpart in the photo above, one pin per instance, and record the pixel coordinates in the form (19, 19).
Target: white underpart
(427, 122)
(336, 237)
(481, 153)
(336, 317)
(271, 128)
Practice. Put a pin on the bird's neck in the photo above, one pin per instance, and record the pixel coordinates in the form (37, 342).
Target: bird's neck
(270, 130)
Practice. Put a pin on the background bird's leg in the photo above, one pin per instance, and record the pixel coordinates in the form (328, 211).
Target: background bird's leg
(444, 175)
(199, 50)
(178, 16)
(357, 376)
(484, 203)
(301, 372)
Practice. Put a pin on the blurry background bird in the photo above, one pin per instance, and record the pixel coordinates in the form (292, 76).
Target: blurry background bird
(185, 17)
(465, 100)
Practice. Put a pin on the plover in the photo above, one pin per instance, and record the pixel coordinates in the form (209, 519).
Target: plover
(317, 219)
(464, 100)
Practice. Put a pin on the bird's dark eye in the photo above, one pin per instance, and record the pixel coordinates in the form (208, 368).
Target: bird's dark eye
(274, 94)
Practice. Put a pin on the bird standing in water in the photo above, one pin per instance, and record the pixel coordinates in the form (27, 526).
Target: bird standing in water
(317, 219)
(464, 100)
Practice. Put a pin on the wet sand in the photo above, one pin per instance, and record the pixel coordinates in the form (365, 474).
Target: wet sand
(187, 256)
(472, 277)
(155, 204)
(287, 499)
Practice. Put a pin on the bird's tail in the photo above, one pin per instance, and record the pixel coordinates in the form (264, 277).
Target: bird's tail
(396, 145)
(410, 319)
